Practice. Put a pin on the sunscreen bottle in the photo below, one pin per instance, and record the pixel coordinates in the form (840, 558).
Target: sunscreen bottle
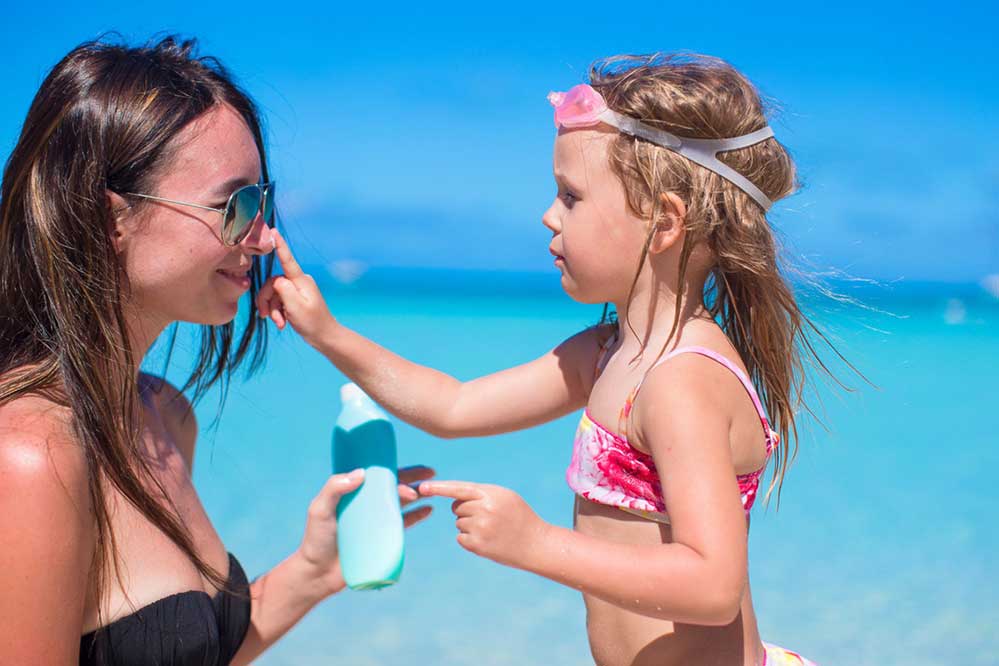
(369, 519)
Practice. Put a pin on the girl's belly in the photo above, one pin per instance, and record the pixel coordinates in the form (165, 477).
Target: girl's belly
(622, 638)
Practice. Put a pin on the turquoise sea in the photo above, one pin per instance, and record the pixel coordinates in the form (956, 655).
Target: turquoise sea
(883, 550)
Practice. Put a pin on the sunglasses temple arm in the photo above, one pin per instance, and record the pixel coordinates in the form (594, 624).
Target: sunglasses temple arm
(179, 203)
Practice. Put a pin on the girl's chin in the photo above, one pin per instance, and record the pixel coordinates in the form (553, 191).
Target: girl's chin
(574, 292)
(586, 300)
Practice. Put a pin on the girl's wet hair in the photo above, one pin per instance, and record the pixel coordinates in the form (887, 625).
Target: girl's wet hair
(105, 119)
(728, 241)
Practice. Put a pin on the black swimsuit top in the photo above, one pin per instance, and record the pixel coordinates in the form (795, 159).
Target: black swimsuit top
(190, 628)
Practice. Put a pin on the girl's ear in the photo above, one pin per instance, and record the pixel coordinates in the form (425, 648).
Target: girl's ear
(670, 228)
(120, 210)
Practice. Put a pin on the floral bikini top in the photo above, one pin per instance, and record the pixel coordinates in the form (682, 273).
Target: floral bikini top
(606, 469)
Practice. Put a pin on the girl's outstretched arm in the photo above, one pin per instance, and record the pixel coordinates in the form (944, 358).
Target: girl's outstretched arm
(542, 390)
(698, 578)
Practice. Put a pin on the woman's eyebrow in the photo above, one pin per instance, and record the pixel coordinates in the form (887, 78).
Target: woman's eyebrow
(227, 188)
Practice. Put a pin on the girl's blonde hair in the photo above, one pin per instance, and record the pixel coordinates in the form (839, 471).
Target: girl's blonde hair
(746, 292)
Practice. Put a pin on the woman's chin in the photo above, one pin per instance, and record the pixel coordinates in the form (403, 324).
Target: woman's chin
(228, 315)
(220, 315)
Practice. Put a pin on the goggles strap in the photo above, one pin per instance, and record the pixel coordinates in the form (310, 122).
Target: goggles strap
(700, 151)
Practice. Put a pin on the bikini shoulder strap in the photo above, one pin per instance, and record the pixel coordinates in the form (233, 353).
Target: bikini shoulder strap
(602, 356)
(715, 356)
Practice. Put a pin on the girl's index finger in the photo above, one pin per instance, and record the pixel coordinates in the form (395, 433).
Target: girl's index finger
(290, 267)
(459, 490)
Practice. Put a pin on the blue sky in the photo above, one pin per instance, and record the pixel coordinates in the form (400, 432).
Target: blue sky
(419, 134)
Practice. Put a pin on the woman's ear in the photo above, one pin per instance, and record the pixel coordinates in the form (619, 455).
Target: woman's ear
(670, 227)
(120, 211)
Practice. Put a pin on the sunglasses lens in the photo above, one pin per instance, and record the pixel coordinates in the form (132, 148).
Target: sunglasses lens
(242, 210)
(269, 206)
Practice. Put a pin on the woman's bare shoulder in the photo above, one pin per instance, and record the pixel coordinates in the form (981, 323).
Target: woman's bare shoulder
(176, 411)
(46, 511)
(42, 462)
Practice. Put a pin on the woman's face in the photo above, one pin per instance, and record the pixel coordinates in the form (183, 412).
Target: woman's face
(177, 266)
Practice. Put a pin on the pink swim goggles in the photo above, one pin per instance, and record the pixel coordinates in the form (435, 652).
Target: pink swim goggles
(583, 106)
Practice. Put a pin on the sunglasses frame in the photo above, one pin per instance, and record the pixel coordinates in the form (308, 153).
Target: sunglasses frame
(266, 189)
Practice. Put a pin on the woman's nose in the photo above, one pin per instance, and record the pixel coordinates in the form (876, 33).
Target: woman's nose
(260, 240)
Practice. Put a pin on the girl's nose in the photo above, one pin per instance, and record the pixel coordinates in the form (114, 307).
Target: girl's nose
(550, 219)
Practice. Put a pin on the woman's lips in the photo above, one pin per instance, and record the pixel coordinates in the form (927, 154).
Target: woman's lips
(240, 278)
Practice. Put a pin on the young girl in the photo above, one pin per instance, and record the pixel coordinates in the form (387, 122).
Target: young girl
(665, 169)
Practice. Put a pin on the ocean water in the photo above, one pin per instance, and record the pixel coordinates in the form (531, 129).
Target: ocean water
(883, 550)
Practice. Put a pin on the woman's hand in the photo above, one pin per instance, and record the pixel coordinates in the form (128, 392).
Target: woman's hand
(493, 522)
(294, 298)
(318, 548)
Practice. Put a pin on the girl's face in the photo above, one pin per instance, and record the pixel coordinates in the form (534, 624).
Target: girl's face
(596, 240)
(177, 266)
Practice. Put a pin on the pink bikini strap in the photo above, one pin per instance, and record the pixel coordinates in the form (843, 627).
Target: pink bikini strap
(602, 356)
(710, 353)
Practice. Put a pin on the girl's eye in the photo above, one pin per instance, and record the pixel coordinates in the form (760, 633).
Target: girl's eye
(569, 198)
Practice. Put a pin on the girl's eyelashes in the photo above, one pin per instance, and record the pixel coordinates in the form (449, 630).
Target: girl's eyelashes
(568, 197)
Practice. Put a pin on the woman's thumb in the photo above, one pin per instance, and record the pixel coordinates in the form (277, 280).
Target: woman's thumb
(336, 487)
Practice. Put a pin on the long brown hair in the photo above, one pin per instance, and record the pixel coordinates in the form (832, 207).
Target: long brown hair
(104, 119)
(746, 290)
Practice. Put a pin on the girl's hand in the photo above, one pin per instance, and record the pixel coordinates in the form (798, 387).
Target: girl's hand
(493, 522)
(318, 548)
(294, 298)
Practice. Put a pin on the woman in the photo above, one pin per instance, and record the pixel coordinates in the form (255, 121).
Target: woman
(137, 196)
